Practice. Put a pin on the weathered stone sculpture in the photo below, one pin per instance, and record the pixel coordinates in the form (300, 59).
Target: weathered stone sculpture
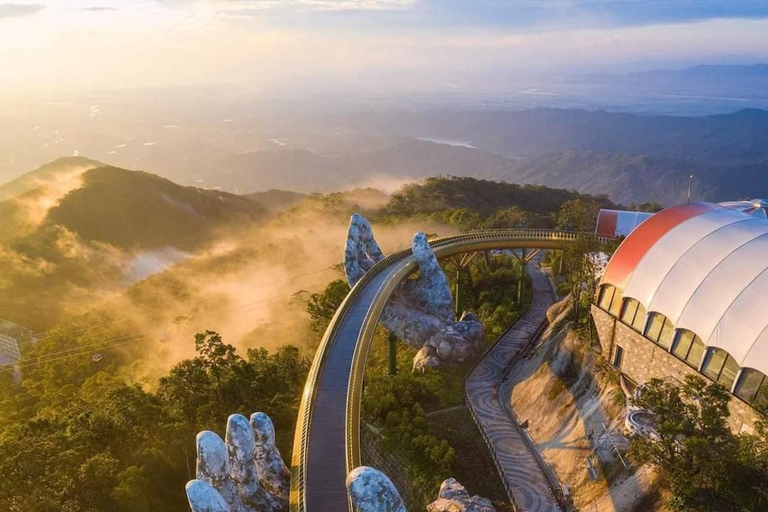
(371, 491)
(245, 473)
(454, 497)
(420, 311)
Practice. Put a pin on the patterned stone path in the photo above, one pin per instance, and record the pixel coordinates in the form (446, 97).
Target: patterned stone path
(523, 477)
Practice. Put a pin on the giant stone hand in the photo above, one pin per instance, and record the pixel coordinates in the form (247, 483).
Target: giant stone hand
(372, 491)
(245, 473)
(420, 311)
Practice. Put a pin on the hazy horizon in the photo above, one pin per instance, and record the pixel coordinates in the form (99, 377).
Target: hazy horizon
(316, 46)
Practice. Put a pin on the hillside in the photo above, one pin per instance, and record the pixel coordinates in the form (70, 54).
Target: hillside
(57, 174)
(479, 197)
(134, 209)
(276, 200)
(738, 137)
(306, 171)
(630, 179)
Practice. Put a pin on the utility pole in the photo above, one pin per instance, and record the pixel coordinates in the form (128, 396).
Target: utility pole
(690, 183)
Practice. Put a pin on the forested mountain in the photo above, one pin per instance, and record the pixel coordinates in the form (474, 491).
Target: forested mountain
(480, 196)
(52, 174)
(276, 200)
(630, 179)
(741, 136)
(134, 209)
(304, 170)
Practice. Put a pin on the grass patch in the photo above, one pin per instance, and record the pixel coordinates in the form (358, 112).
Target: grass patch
(473, 465)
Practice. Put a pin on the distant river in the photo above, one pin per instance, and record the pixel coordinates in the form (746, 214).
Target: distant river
(450, 142)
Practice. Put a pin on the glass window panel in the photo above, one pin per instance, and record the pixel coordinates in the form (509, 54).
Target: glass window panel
(606, 294)
(683, 345)
(654, 329)
(749, 384)
(761, 400)
(667, 334)
(639, 322)
(730, 370)
(616, 303)
(630, 308)
(714, 363)
(696, 352)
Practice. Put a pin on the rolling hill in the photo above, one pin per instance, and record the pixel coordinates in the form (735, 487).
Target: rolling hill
(127, 209)
(134, 209)
(640, 178)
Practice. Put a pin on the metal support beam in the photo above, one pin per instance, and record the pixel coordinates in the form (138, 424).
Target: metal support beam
(520, 274)
(531, 255)
(457, 302)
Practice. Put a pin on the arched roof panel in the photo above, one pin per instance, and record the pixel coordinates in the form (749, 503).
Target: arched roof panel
(659, 260)
(757, 357)
(743, 322)
(634, 247)
(722, 287)
(680, 283)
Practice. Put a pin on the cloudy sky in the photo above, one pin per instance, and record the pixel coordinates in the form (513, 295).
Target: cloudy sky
(92, 44)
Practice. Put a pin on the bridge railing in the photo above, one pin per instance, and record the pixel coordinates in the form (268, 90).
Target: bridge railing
(442, 247)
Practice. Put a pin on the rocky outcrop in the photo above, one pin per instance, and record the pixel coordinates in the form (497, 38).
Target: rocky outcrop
(372, 491)
(244, 473)
(420, 310)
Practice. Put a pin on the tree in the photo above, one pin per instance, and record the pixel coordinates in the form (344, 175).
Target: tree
(650, 207)
(701, 462)
(580, 268)
(322, 306)
(578, 215)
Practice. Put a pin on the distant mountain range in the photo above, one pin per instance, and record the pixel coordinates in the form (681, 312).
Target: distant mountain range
(630, 158)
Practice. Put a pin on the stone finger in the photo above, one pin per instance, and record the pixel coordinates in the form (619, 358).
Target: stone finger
(273, 473)
(242, 468)
(203, 497)
(372, 491)
(213, 467)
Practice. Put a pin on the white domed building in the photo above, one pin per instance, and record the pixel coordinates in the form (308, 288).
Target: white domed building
(687, 292)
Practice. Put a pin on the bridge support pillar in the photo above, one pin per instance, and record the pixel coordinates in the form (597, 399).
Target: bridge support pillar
(392, 342)
(520, 273)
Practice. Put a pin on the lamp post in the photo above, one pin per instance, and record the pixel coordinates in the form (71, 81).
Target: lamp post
(690, 183)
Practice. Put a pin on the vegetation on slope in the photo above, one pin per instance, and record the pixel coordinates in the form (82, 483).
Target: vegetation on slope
(133, 210)
(470, 203)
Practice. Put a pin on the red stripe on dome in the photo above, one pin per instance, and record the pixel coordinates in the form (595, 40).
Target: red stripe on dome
(634, 247)
(606, 223)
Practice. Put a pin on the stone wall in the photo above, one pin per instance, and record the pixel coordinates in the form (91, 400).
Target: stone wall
(644, 360)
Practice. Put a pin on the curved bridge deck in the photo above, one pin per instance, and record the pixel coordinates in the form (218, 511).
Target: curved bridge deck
(326, 445)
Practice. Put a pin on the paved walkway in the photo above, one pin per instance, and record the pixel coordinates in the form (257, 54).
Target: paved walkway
(523, 477)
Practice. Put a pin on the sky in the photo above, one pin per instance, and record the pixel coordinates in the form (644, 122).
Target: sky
(78, 45)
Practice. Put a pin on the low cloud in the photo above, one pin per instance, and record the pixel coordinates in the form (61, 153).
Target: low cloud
(8, 10)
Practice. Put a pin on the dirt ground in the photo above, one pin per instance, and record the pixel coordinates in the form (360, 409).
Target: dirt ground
(575, 412)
